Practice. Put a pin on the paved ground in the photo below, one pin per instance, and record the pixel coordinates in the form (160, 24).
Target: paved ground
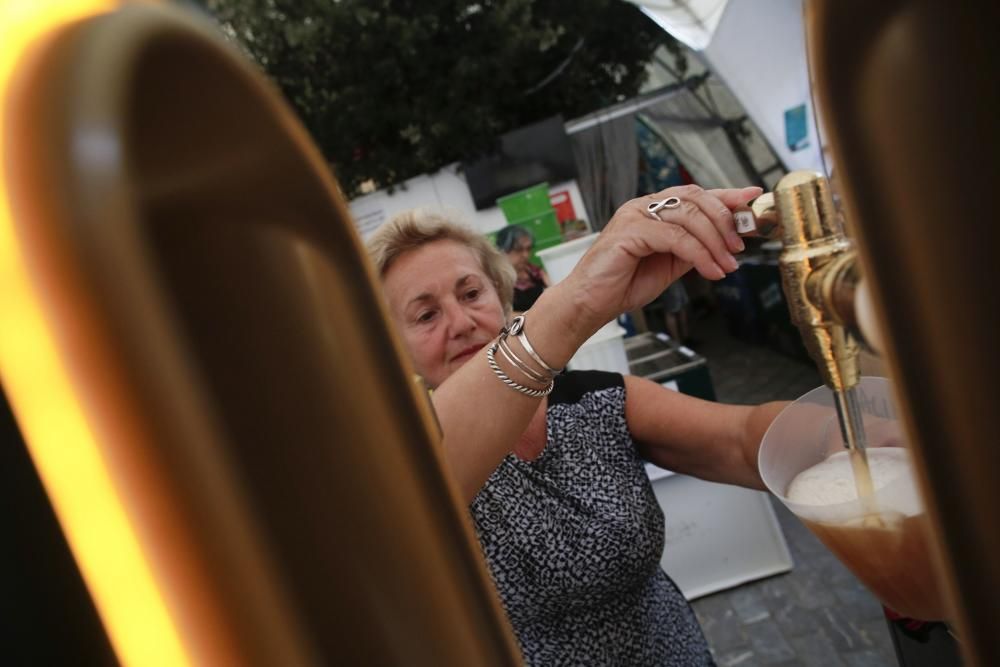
(818, 614)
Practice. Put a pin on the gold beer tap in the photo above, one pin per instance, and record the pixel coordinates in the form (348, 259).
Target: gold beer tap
(820, 276)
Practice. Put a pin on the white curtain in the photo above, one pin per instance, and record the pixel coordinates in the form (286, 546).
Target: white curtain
(607, 161)
(696, 137)
(607, 151)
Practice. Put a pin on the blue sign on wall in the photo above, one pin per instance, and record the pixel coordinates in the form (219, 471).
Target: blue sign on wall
(796, 129)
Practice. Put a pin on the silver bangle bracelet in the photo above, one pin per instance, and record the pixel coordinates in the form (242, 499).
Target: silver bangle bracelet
(516, 329)
(527, 391)
(518, 363)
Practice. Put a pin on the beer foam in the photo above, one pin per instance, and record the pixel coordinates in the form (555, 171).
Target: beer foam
(831, 482)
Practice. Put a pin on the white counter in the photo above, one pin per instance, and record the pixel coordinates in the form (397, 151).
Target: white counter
(717, 536)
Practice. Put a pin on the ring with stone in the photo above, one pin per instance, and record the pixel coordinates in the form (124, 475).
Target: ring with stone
(657, 206)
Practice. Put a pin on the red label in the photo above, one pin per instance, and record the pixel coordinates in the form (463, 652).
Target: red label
(563, 205)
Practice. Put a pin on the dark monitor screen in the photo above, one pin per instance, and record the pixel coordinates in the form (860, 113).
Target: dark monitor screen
(527, 156)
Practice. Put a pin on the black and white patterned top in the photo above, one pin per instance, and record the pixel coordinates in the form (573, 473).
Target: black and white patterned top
(573, 541)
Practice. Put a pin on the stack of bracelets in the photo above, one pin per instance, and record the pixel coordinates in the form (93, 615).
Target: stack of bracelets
(545, 376)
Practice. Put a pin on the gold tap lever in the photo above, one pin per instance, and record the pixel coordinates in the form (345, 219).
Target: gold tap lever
(819, 271)
(819, 274)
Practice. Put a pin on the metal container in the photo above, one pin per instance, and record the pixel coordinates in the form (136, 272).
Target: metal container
(658, 358)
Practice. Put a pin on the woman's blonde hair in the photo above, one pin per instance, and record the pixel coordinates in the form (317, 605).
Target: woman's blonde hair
(415, 228)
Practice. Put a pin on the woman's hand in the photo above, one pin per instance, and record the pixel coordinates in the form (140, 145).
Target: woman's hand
(636, 257)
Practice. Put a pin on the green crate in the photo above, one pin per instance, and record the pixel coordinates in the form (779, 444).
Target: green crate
(543, 227)
(526, 203)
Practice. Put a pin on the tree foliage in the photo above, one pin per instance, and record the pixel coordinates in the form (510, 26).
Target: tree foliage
(390, 89)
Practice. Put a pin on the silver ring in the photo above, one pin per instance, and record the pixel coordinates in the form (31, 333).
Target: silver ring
(657, 206)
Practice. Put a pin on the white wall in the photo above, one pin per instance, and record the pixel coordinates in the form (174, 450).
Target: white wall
(445, 191)
(759, 50)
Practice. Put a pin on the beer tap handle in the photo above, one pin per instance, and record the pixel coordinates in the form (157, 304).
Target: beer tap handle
(759, 219)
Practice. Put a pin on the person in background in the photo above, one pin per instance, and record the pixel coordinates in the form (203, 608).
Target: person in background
(551, 463)
(675, 304)
(516, 243)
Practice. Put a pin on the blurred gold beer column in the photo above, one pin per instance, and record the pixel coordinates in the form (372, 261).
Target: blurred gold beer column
(59, 437)
(907, 90)
(197, 354)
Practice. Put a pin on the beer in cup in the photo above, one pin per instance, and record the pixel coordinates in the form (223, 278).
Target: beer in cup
(882, 538)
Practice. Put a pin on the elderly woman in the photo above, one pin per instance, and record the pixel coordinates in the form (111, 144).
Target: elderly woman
(516, 243)
(552, 463)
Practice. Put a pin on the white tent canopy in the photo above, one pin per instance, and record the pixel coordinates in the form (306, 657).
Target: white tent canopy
(690, 21)
(757, 47)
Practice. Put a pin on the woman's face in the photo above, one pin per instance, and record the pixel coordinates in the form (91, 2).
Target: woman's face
(520, 253)
(445, 306)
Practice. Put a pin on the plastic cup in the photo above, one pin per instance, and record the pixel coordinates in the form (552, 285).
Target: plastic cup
(883, 541)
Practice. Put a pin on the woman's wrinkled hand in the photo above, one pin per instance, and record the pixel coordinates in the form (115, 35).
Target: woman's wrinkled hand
(636, 257)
